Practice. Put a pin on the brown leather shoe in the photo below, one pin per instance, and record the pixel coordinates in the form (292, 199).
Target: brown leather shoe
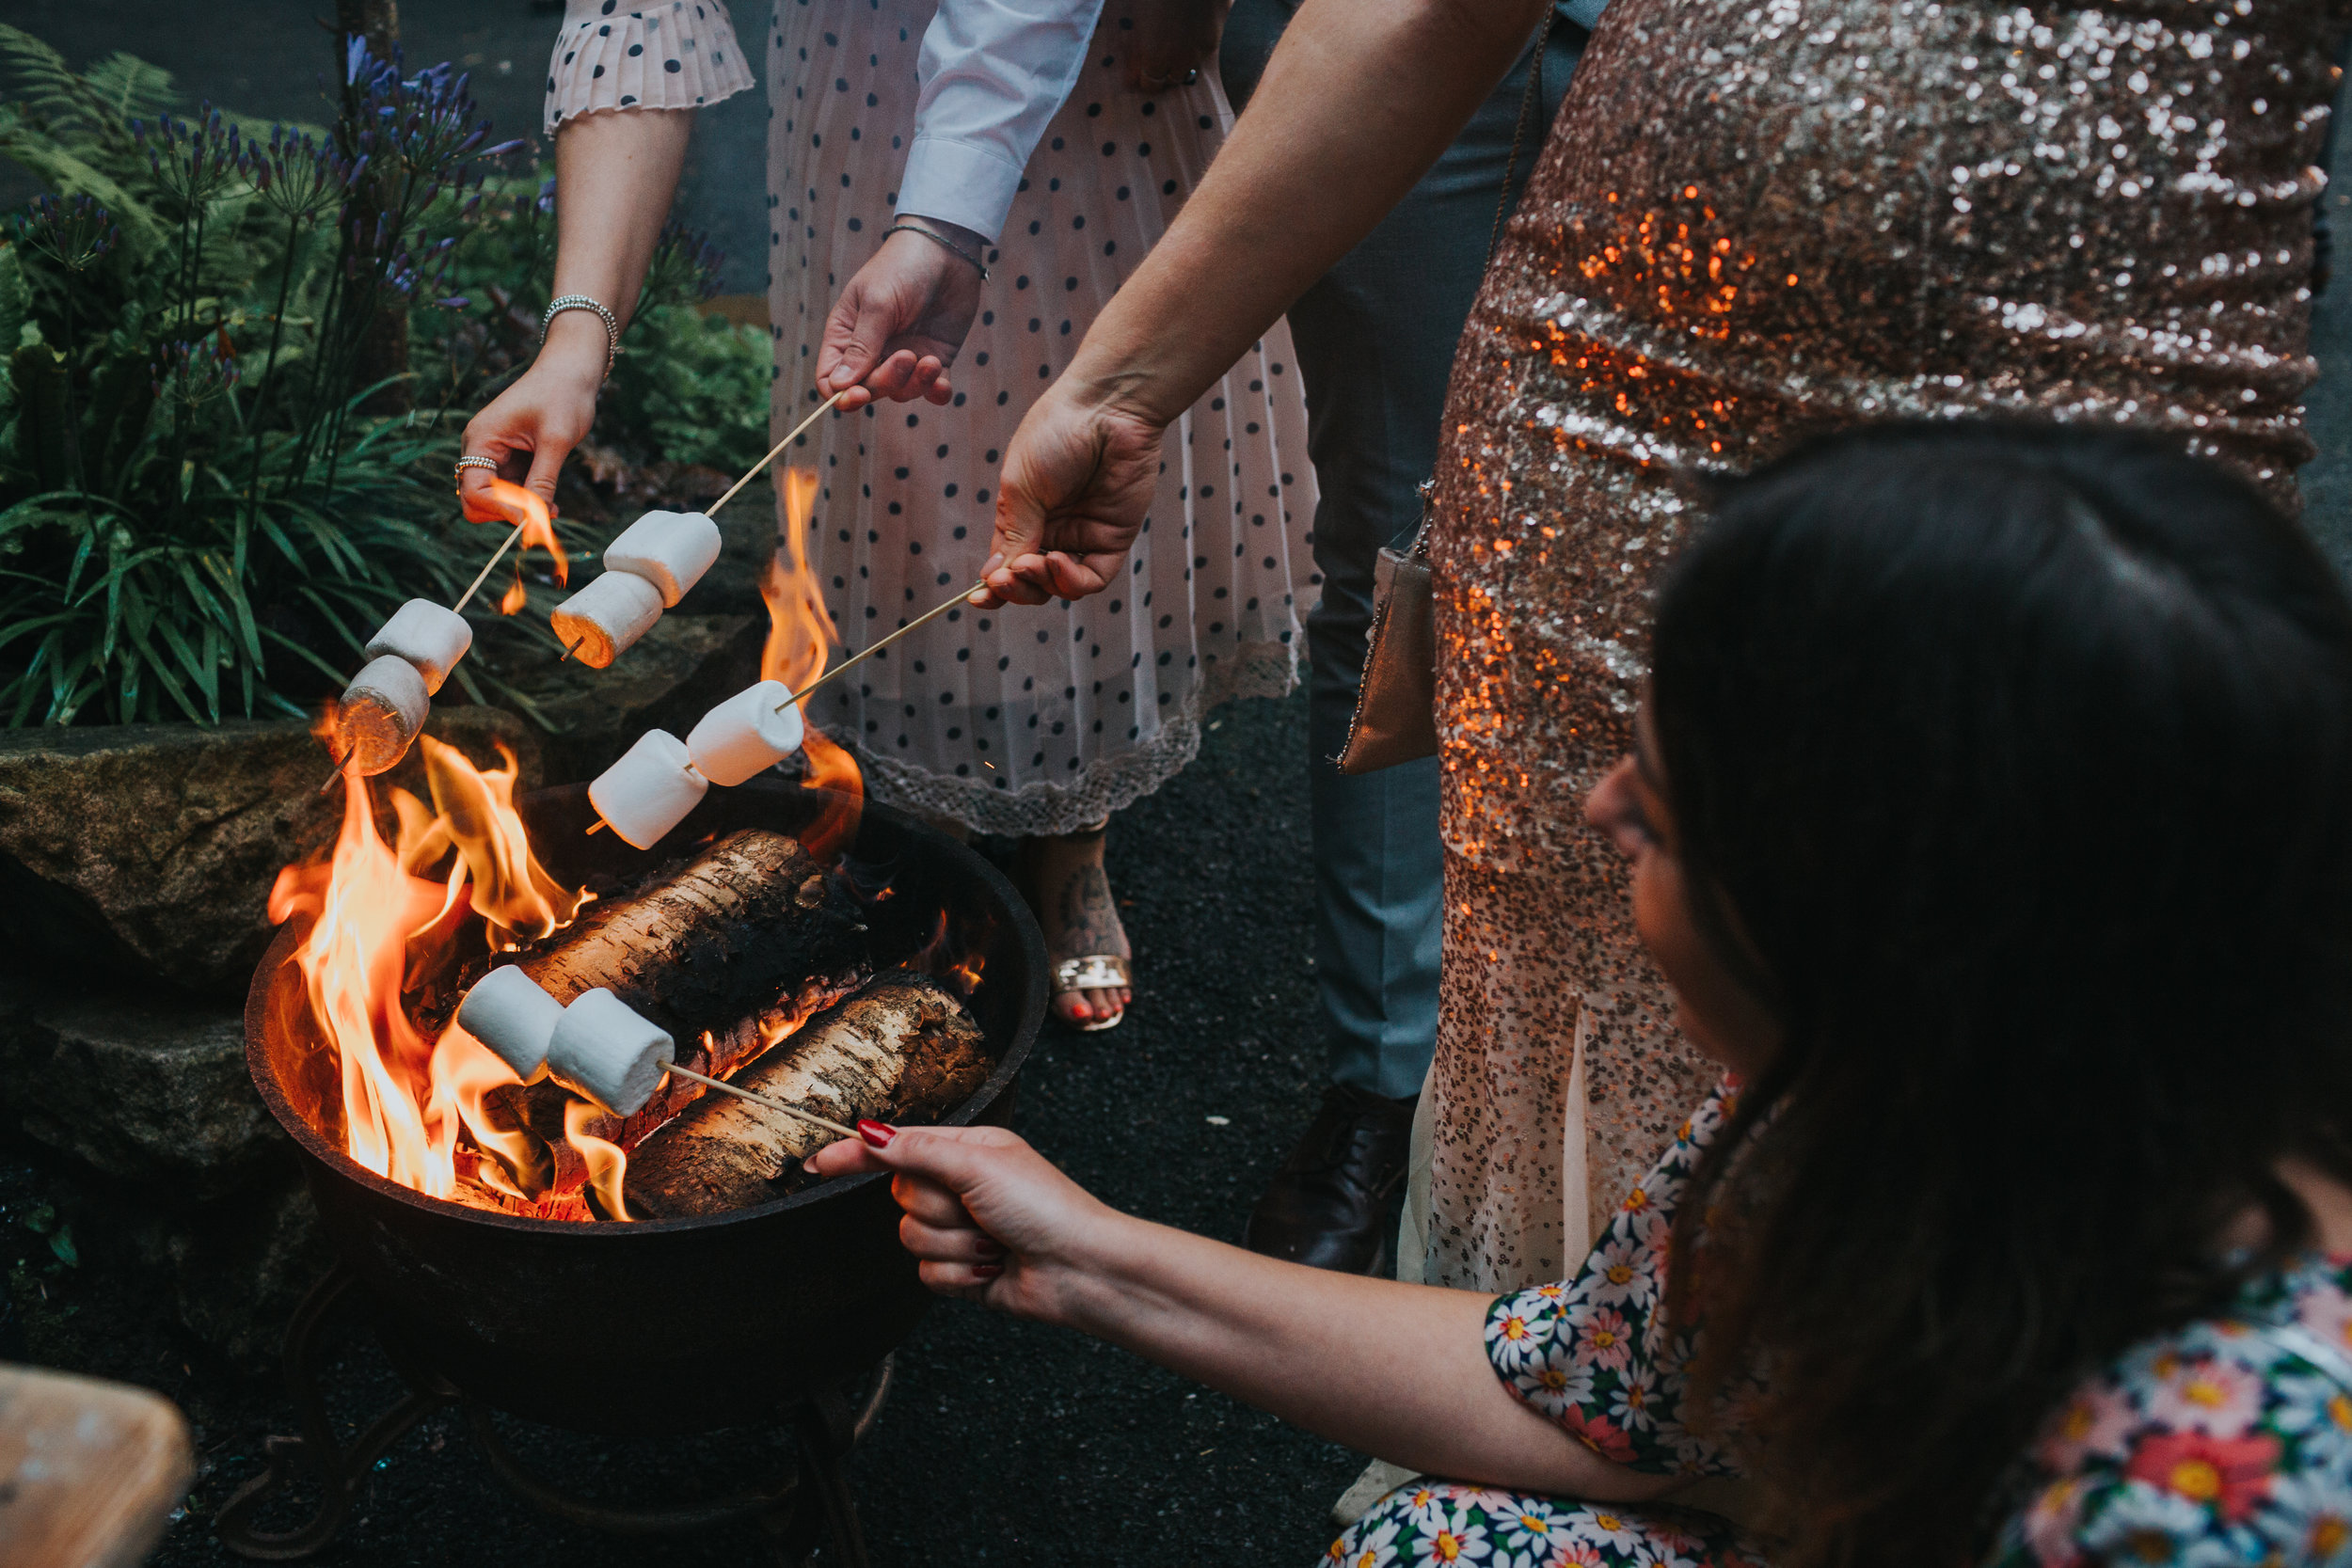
(1333, 1205)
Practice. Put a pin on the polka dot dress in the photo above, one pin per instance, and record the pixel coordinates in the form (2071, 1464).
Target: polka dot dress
(1022, 721)
(670, 54)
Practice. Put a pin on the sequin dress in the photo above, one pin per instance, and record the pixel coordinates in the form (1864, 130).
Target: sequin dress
(1756, 220)
(2226, 1441)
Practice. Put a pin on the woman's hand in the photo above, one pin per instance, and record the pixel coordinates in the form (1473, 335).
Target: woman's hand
(902, 321)
(1078, 478)
(529, 428)
(1169, 42)
(991, 1218)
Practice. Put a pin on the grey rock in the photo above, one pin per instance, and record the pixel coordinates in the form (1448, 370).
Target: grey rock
(150, 1093)
(240, 1270)
(146, 851)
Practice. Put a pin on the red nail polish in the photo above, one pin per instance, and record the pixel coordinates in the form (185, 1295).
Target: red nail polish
(879, 1133)
(987, 1271)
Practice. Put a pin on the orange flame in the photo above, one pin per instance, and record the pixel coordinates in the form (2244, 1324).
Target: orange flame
(607, 1165)
(800, 633)
(524, 509)
(376, 908)
(516, 595)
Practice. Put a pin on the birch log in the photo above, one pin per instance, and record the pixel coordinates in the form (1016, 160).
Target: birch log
(901, 1050)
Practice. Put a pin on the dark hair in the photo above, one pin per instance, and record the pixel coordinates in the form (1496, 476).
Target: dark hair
(2016, 765)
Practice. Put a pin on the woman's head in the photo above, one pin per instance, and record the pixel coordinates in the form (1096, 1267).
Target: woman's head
(2009, 778)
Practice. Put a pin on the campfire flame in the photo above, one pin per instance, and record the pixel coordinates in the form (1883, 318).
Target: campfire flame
(515, 597)
(380, 917)
(800, 636)
(526, 511)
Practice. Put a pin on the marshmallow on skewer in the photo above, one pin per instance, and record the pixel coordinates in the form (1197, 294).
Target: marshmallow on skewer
(427, 635)
(606, 1052)
(749, 732)
(382, 711)
(604, 618)
(670, 549)
(650, 790)
(507, 1012)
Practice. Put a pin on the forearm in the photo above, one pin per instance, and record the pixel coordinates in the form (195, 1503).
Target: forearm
(1355, 104)
(616, 174)
(1398, 1371)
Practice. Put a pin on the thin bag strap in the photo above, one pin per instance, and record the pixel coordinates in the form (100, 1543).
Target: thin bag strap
(1419, 548)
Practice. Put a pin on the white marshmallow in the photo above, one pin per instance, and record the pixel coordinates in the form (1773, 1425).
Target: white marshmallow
(428, 636)
(608, 615)
(382, 710)
(606, 1052)
(507, 1012)
(746, 733)
(650, 790)
(670, 549)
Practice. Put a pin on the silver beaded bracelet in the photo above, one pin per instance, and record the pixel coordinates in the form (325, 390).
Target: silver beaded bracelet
(561, 303)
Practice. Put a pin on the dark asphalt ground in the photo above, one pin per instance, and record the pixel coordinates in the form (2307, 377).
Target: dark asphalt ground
(1003, 1442)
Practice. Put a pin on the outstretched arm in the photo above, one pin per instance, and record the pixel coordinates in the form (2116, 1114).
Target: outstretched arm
(1399, 1370)
(1356, 103)
(614, 175)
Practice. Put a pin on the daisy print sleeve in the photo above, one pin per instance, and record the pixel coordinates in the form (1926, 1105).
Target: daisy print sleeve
(1595, 1354)
(2226, 1442)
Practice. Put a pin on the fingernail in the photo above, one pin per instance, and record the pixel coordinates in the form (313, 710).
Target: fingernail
(879, 1133)
(987, 1271)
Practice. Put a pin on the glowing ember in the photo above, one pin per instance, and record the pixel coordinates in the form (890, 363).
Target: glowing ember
(800, 633)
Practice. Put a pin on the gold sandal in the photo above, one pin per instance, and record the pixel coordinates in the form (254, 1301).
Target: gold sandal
(1095, 972)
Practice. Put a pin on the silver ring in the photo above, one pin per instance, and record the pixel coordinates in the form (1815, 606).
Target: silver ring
(457, 475)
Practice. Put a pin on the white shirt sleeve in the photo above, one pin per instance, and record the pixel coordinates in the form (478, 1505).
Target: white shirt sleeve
(993, 74)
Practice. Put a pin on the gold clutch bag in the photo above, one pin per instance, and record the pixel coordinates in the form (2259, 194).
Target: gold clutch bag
(1396, 710)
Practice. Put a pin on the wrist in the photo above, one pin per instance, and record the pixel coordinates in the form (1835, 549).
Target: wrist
(577, 349)
(968, 240)
(1092, 1278)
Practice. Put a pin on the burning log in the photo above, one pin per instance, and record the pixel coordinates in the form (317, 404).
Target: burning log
(742, 944)
(901, 1050)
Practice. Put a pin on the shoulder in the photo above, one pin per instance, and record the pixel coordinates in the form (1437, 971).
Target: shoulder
(2227, 1441)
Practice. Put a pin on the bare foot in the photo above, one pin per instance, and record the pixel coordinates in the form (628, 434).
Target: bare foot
(1072, 898)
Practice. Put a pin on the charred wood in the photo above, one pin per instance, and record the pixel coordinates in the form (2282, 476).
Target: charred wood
(903, 1049)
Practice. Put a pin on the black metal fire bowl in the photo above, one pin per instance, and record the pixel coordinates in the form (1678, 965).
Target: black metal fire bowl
(661, 1326)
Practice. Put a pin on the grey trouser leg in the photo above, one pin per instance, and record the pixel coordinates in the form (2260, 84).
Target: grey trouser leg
(1376, 339)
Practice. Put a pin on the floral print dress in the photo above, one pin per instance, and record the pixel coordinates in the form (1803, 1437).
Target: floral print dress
(2225, 1442)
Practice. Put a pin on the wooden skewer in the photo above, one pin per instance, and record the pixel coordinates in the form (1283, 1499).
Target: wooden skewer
(484, 576)
(330, 780)
(822, 410)
(574, 648)
(922, 620)
(602, 825)
(761, 1099)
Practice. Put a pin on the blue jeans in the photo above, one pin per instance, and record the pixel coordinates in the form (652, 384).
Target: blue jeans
(1376, 339)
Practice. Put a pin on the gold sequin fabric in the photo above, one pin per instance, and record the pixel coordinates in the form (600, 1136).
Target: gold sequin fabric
(1756, 220)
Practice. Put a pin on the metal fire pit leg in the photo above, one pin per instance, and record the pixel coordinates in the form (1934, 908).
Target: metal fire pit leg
(828, 1432)
(341, 1473)
(773, 1507)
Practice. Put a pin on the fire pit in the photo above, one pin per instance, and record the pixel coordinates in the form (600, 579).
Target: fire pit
(668, 1326)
